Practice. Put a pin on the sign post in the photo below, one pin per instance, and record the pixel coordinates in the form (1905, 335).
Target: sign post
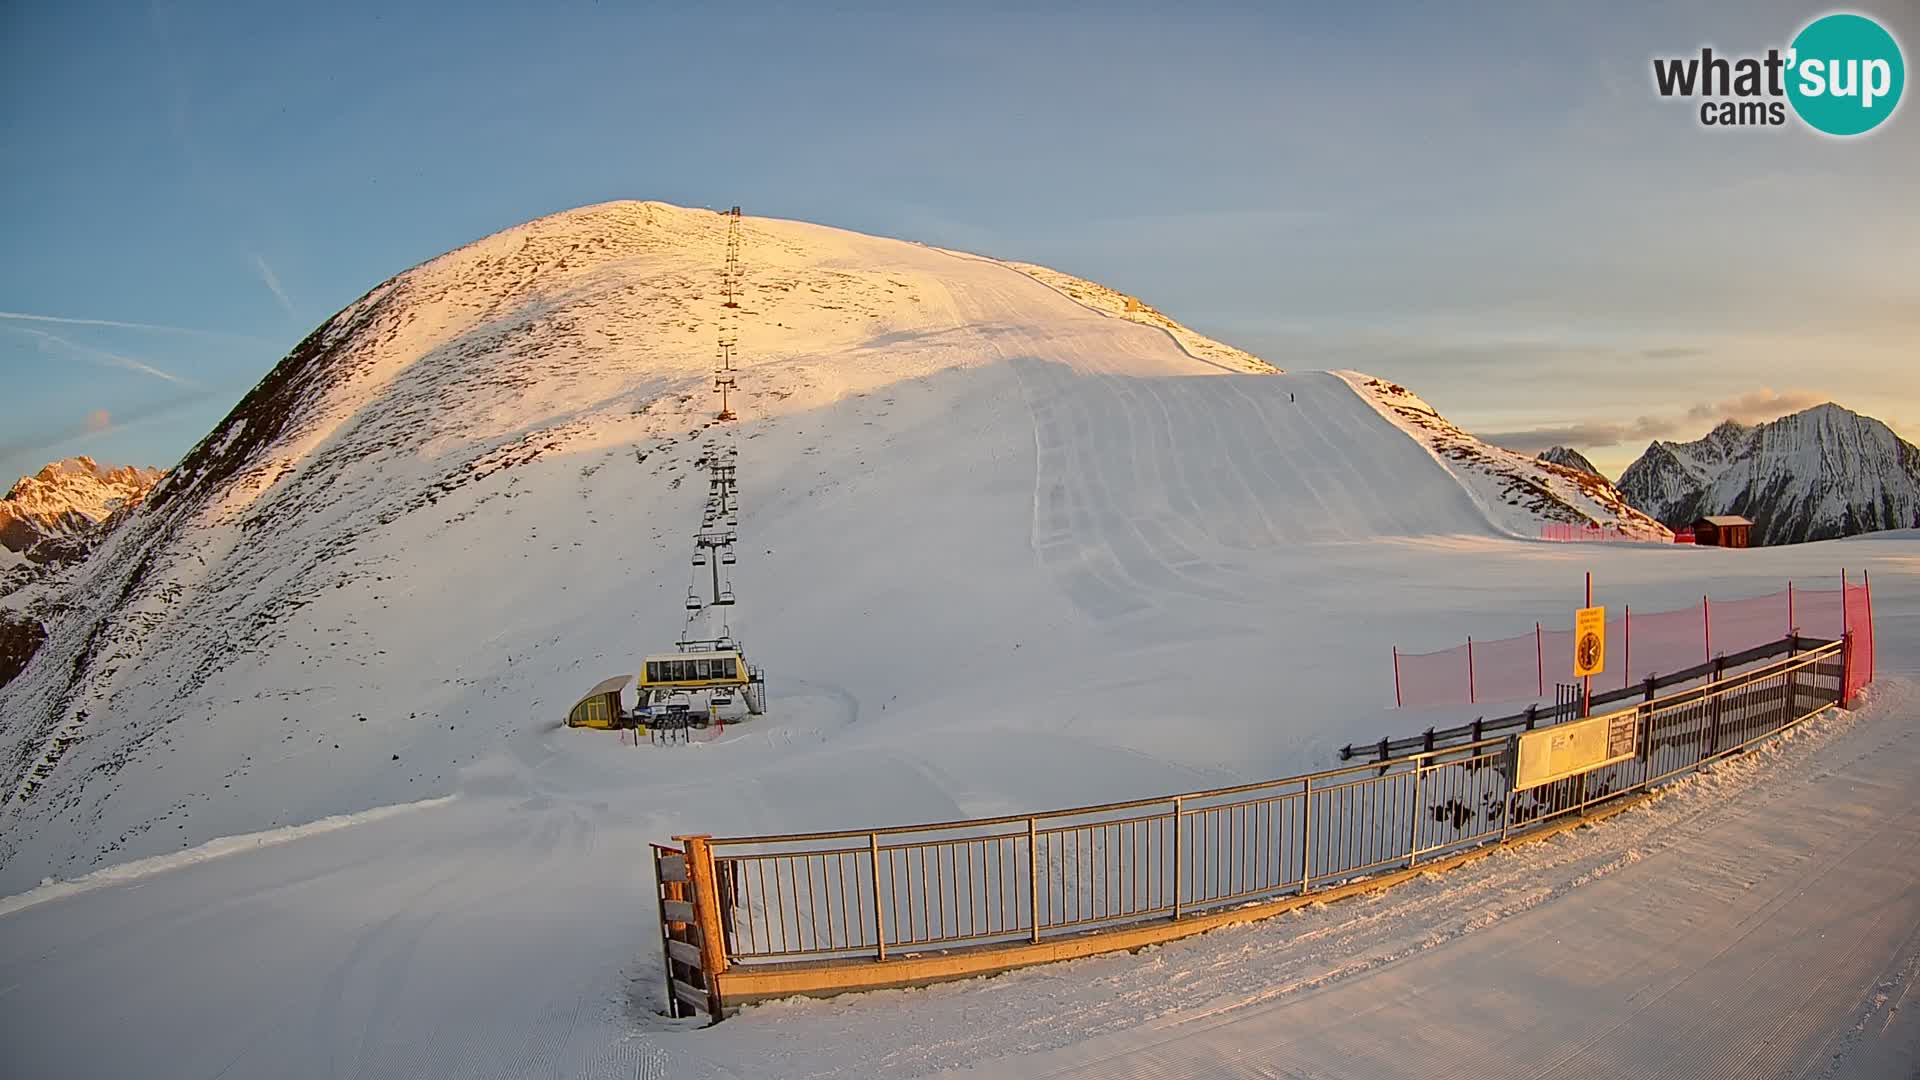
(1589, 646)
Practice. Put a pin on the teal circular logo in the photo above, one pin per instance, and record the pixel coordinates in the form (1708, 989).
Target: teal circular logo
(1845, 74)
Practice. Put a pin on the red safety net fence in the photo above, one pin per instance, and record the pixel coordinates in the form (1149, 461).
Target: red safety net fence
(1590, 533)
(1858, 612)
(1639, 645)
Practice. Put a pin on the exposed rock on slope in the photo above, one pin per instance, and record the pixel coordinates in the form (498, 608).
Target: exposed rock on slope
(1570, 458)
(68, 499)
(1517, 491)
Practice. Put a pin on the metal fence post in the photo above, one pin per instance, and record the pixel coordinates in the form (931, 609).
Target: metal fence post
(879, 919)
(1178, 868)
(1513, 785)
(1033, 878)
(1413, 830)
(1306, 835)
(1715, 694)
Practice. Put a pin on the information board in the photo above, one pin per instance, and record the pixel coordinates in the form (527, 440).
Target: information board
(1577, 746)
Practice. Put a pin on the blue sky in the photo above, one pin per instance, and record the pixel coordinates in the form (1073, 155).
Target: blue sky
(1486, 202)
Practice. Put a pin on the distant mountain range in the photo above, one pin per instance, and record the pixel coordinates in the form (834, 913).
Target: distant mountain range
(1817, 474)
(67, 500)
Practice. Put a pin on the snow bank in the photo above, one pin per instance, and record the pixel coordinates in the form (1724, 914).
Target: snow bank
(123, 873)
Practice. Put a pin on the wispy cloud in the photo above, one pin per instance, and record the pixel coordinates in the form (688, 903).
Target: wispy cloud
(1756, 405)
(158, 328)
(53, 342)
(1751, 407)
(272, 282)
(27, 450)
(1587, 433)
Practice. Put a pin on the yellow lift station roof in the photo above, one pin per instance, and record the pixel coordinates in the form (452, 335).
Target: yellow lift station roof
(605, 686)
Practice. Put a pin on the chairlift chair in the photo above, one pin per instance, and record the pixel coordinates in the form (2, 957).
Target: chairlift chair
(699, 558)
(726, 597)
(726, 557)
(693, 600)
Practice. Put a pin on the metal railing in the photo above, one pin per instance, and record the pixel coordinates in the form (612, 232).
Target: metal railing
(992, 881)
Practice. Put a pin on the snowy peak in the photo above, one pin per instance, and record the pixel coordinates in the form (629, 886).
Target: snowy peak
(68, 498)
(1120, 305)
(1820, 473)
(1567, 457)
(1518, 493)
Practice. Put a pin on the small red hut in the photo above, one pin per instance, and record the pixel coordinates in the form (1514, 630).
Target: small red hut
(1722, 530)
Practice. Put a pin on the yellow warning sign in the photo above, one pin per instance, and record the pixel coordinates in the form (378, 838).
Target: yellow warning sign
(1589, 641)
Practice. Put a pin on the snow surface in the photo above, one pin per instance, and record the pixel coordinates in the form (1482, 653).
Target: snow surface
(507, 933)
(1001, 552)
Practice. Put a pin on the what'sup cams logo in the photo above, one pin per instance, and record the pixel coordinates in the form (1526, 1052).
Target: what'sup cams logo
(1842, 75)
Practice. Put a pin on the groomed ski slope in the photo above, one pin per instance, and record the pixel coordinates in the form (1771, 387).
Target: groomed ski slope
(506, 933)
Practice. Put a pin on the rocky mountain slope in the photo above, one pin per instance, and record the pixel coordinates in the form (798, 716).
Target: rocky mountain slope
(1515, 490)
(1570, 458)
(68, 499)
(1817, 474)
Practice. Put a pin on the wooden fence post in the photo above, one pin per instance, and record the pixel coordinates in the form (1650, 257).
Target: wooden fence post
(706, 912)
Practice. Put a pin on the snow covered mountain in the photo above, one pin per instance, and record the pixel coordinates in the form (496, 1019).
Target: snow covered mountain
(67, 499)
(1817, 474)
(1570, 458)
(468, 496)
(1515, 490)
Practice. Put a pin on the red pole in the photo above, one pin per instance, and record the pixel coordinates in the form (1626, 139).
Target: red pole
(1706, 621)
(1791, 623)
(1396, 677)
(1866, 583)
(1471, 695)
(1586, 684)
(1626, 668)
(1539, 661)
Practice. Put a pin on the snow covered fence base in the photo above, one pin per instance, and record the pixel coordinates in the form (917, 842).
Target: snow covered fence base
(753, 918)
